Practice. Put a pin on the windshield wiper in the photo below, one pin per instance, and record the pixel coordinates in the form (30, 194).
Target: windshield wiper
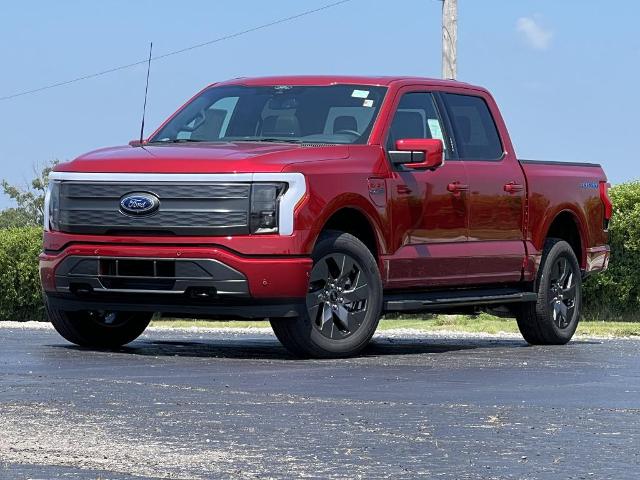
(178, 140)
(268, 139)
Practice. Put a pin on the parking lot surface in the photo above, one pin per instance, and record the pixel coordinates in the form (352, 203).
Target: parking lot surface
(233, 404)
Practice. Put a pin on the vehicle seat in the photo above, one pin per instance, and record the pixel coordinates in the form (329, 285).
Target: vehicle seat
(210, 128)
(345, 122)
(281, 126)
(464, 128)
(406, 125)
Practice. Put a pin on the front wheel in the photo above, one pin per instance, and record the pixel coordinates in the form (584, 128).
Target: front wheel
(553, 319)
(343, 302)
(99, 329)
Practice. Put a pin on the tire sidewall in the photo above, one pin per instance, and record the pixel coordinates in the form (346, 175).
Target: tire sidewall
(560, 249)
(81, 329)
(350, 245)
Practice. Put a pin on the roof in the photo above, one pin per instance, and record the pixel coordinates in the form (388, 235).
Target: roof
(337, 79)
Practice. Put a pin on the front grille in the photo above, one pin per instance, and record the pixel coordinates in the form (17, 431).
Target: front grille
(185, 209)
(197, 277)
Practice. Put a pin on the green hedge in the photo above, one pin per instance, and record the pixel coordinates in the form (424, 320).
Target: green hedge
(20, 297)
(615, 294)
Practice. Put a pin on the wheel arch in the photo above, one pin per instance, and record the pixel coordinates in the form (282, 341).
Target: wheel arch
(567, 225)
(356, 217)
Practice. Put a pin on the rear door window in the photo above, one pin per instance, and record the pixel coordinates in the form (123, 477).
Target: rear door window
(475, 131)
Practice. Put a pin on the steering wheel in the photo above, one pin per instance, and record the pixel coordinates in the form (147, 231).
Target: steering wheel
(198, 120)
(347, 132)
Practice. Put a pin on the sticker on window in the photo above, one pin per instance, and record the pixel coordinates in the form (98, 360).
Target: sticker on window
(367, 103)
(434, 128)
(360, 94)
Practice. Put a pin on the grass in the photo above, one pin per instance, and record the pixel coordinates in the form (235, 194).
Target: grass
(483, 323)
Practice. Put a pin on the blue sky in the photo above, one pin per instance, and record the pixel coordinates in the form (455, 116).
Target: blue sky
(558, 69)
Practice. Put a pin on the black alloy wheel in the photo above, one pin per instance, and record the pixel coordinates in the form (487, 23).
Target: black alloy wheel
(338, 293)
(344, 301)
(554, 317)
(562, 292)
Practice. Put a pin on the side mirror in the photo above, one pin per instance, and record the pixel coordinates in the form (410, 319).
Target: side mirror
(425, 153)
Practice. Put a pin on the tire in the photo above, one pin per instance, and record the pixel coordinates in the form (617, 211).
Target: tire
(343, 304)
(554, 317)
(95, 329)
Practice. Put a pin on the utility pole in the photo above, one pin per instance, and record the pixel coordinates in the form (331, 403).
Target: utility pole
(449, 38)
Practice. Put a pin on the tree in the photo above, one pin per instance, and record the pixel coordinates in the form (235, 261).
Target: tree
(30, 200)
(14, 217)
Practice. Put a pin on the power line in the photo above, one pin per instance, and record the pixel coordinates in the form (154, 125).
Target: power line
(177, 52)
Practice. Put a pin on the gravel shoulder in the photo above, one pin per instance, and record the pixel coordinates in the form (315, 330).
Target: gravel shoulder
(228, 327)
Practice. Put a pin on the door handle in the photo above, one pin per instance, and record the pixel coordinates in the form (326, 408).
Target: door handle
(513, 187)
(457, 187)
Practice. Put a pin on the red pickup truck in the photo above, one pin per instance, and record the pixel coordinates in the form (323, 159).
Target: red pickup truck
(321, 203)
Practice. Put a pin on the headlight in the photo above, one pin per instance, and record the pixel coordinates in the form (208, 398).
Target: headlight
(52, 206)
(265, 201)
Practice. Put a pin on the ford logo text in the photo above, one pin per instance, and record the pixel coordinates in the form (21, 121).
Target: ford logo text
(139, 204)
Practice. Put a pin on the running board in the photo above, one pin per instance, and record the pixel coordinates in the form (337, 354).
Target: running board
(443, 300)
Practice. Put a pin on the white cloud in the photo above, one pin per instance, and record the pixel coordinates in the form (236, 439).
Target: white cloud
(535, 35)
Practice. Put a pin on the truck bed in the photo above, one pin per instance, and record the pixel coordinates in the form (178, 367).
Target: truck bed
(554, 187)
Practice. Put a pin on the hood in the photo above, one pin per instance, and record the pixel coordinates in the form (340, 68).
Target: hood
(202, 158)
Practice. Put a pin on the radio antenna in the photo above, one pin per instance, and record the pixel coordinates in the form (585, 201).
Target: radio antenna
(146, 90)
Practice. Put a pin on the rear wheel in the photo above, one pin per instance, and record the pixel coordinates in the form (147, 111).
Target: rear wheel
(343, 302)
(553, 319)
(99, 329)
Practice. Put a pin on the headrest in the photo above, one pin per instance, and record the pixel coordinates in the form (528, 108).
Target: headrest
(345, 122)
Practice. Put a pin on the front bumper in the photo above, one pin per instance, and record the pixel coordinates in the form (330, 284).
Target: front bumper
(180, 307)
(193, 280)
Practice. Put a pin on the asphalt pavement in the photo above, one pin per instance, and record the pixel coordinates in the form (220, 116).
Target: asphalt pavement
(216, 404)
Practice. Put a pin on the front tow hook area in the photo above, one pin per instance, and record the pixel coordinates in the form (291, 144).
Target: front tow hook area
(202, 293)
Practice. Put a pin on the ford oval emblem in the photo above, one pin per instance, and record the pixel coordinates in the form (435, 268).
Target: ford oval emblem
(139, 204)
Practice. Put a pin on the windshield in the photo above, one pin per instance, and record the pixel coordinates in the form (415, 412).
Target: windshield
(336, 114)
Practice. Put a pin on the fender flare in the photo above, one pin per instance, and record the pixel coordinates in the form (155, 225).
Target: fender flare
(356, 202)
(579, 220)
